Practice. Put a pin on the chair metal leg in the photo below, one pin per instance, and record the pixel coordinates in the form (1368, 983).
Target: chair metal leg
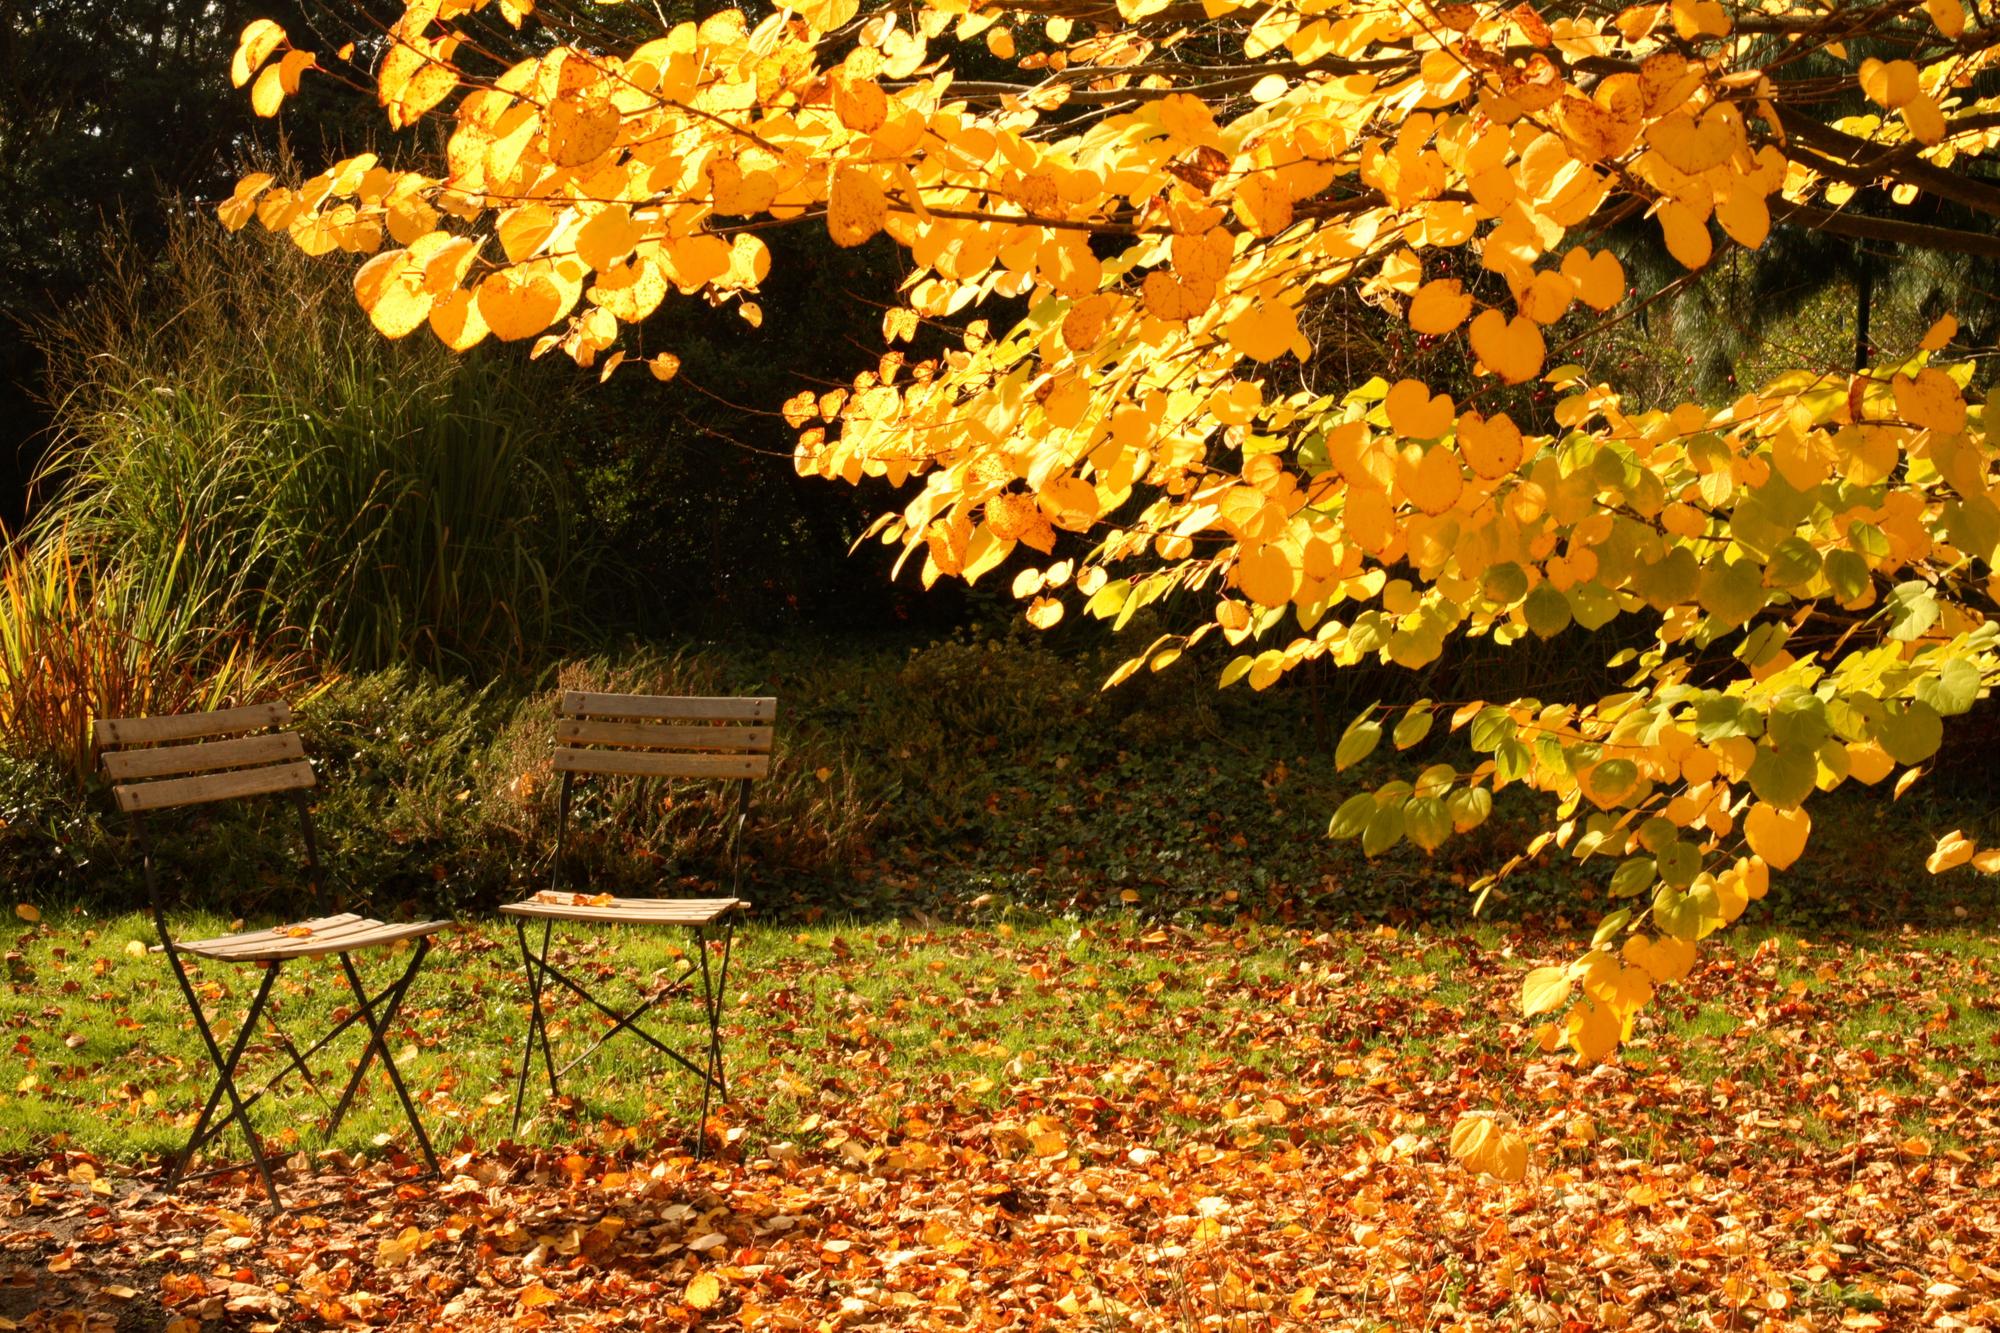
(544, 977)
(225, 1066)
(379, 1038)
(538, 1023)
(391, 998)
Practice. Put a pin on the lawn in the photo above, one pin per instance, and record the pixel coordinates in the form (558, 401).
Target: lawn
(1042, 1123)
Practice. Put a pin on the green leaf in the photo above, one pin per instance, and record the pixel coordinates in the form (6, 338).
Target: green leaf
(1416, 725)
(1613, 779)
(1910, 731)
(1912, 609)
(1352, 816)
(1512, 761)
(1679, 863)
(1732, 591)
(1799, 721)
(1720, 716)
(1469, 807)
(1546, 610)
(1357, 743)
(1489, 728)
(1794, 562)
(1633, 877)
(1953, 690)
(1426, 822)
(1505, 584)
(1385, 830)
(1847, 574)
(1783, 777)
(1544, 990)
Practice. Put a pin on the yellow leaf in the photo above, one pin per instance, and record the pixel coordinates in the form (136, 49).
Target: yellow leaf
(579, 130)
(1439, 306)
(135, 948)
(1949, 15)
(456, 320)
(860, 104)
(260, 38)
(1546, 298)
(1939, 334)
(268, 93)
(1954, 849)
(1267, 331)
(826, 15)
(1544, 990)
(1889, 84)
(1931, 401)
(28, 912)
(391, 289)
(1686, 233)
(1700, 18)
(1436, 483)
(516, 306)
(1664, 959)
(1045, 612)
(1694, 146)
(1414, 414)
(1593, 1030)
(1268, 575)
(664, 366)
(292, 67)
(1492, 445)
(1776, 835)
(1488, 1147)
(1511, 348)
(396, 1251)
(1743, 214)
(1599, 278)
(703, 1291)
(856, 207)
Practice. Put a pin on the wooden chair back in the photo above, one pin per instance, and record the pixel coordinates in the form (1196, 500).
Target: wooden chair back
(725, 739)
(185, 759)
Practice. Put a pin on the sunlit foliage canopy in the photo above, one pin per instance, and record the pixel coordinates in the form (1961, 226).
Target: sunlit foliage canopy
(1156, 201)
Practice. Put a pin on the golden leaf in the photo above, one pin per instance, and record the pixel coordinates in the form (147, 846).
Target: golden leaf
(1511, 348)
(856, 207)
(1479, 1140)
(260, 38)
(1439, 306)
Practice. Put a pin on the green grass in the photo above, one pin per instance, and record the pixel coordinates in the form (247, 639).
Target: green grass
(828, 1023)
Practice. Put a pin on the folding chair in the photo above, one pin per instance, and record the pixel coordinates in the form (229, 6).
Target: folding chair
(160, 763)
(642, 735)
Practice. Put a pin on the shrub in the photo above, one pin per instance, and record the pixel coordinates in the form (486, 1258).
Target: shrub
(252, 449)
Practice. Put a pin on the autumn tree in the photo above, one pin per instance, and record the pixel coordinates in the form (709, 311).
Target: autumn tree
(1159, 201)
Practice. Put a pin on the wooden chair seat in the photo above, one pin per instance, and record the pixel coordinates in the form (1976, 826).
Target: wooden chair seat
(631, 911)
(342, 933)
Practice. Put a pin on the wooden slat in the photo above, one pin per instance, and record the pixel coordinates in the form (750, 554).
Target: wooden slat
(641, 764)
(661, 736)
(219, 945)
(213, 786)
(346, 937)
(189, 726)
(631, 911)
(577, 703)
(203, 756)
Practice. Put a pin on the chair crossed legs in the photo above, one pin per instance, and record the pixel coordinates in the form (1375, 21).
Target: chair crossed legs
(644, 736)
(200, 758)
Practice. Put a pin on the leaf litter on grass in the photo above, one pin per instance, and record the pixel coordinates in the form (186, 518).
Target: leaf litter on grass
(1103, 1127)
